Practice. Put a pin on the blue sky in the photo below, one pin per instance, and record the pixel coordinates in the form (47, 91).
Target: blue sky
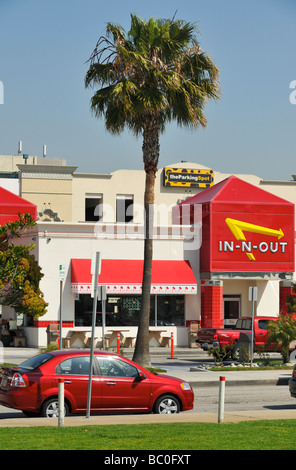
(44, 45)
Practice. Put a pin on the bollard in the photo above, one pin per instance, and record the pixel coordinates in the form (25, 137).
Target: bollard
(221, 400)
(118, 343)
(61, 403)
(172, 345)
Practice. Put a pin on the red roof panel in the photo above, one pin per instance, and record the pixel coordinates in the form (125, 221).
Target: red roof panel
(11, 205)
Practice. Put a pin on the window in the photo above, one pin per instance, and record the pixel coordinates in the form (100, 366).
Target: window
(167, 310)
(232, 306)
(84, 309)
(93, 207)
(123, 310)
(116, 368)
(263, 324)
(74, 366)
(124, 208)
(36, 361)
(246, 324)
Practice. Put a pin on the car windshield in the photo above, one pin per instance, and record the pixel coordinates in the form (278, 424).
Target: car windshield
(36, 361)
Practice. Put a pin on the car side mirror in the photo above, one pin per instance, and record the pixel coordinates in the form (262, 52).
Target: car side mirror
(141, 375)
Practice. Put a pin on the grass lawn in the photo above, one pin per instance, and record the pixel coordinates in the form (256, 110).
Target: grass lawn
(255, 435)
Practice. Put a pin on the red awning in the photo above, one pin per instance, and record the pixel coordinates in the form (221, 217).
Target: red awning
(125, 276)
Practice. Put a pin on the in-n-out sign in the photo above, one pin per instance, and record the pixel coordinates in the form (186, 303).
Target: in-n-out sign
(238, 229)
(248, 247)
(244, 229)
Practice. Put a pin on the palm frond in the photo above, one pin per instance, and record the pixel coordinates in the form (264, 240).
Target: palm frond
(157, 68)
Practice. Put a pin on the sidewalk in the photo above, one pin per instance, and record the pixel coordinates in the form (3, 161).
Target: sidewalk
(184, 365)
(187, 417)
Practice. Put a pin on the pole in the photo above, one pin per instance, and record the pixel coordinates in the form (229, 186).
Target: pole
(118, 342)
(254, 297)
(221, 400)
(172, 345)
(96, 274)
(252, 339)
(60, 319)
(103, 299)
(62, 277)
(61, 411)
(253, 294)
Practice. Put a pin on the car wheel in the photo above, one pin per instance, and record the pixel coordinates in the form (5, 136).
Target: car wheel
(167, 404)
(50, 408)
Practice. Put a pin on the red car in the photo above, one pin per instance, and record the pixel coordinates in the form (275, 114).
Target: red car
(118, 385)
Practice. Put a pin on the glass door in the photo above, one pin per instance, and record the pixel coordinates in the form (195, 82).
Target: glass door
(232, 310)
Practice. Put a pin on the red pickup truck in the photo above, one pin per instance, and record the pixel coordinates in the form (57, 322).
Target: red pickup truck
(211, 337)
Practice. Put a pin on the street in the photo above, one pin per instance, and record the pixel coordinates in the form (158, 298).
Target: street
(237, 398)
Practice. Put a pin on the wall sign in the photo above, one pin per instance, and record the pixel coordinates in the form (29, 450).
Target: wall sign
(244, 229)
(253, 242)
(186, 178)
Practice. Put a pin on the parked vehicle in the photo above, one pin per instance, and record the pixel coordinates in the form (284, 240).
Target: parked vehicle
(292, 383)
(229, 338)
(118, 385)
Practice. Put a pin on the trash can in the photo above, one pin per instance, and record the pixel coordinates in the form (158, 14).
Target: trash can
(5, 339)
(192, 335)
(244, 343)
(52, 334)
(19, 339)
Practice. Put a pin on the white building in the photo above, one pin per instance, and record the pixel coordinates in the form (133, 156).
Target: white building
(105, 213)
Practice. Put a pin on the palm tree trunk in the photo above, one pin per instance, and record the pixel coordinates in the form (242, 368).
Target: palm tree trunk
(150, 157)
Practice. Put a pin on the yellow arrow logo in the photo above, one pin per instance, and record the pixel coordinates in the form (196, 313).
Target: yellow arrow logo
(238, 227)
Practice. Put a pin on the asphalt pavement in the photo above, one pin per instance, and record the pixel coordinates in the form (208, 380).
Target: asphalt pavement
(187, 364)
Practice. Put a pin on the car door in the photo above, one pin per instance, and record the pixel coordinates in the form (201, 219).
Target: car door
(122, 389)
(262, 335)
(75, 372)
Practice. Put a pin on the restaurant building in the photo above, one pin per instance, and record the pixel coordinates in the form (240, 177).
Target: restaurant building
(215, 236)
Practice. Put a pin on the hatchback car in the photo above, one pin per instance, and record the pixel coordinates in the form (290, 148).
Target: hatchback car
(118, 385)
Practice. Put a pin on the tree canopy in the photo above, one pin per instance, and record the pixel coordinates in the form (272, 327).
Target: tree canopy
(20, 273)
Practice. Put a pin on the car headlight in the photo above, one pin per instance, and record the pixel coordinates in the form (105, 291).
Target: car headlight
(185, 386)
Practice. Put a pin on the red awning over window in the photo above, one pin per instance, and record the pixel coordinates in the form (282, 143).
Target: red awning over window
(125, 276)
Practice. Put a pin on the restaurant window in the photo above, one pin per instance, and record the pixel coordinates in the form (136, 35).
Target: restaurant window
(124, 208)
(93, 207)
(124, 310)
(168, 310)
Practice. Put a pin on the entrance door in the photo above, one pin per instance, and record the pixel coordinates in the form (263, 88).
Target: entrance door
(232, 309)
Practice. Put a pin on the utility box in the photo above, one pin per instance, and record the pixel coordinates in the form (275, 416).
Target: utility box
(245, 341)
(52, 334)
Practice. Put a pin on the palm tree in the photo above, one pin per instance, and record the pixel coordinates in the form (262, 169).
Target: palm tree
(155, 74)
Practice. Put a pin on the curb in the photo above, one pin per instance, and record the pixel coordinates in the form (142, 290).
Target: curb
(236, 383)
